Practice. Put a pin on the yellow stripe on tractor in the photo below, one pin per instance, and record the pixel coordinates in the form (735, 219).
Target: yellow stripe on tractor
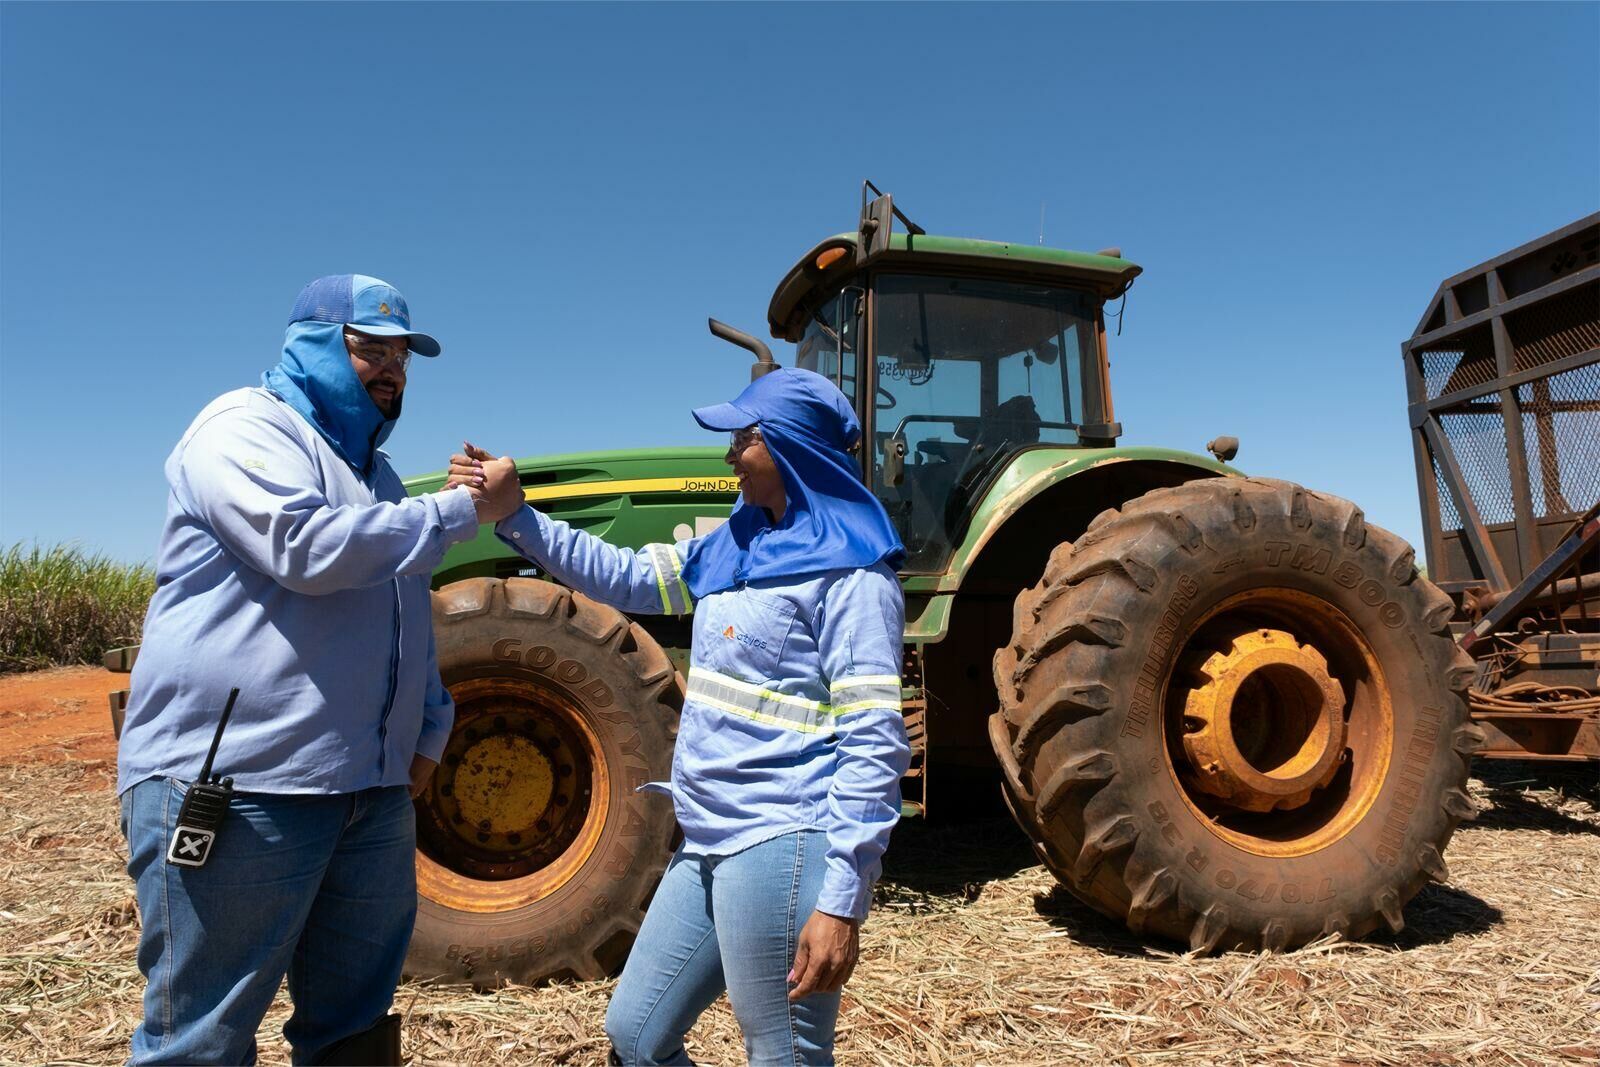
(568, 490)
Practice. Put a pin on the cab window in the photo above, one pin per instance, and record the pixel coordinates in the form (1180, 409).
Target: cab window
(968, 372)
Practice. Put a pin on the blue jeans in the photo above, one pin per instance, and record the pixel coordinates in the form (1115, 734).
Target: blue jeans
(726, 922)
(321, 888)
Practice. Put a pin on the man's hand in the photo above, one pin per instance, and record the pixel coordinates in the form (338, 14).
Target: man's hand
(825, 956)
(492, 482)
(421, 771)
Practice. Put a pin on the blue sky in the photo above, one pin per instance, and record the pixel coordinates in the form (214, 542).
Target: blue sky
(564, 194)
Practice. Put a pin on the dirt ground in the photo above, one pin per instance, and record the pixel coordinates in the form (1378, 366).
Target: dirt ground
(57, 715)
(973, 955)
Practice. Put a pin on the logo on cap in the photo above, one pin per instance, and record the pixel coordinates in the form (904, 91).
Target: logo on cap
(383, 309)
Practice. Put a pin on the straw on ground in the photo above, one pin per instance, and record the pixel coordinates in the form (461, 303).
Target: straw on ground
(973, 955)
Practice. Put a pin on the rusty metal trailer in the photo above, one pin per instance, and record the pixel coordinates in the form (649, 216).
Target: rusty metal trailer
(1503, 379)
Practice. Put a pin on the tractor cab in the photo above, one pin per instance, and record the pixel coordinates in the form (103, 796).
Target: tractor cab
(958, 355)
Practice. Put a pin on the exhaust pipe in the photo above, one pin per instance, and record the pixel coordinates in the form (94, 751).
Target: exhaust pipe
(764, 363)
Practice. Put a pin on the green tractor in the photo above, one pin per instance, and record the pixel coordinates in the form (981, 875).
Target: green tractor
(1226, 711)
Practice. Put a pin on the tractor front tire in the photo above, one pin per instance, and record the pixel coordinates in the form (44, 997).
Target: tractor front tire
(535, 854)
(1232, 714)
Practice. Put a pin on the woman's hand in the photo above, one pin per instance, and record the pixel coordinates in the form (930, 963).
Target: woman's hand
(492, 482)
(825, 956)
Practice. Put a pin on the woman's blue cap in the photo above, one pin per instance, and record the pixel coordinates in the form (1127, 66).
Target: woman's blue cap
(800, 399)
(362, 303)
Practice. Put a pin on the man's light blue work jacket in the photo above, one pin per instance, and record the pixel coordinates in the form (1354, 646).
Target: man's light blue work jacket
(792, 719)
(283, 572)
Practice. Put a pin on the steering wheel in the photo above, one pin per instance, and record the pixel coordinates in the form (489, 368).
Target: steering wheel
(885, 399)
(977, 461)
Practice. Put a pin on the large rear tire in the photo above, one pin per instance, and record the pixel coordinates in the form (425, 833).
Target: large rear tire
(1232, 714)
(535, 855)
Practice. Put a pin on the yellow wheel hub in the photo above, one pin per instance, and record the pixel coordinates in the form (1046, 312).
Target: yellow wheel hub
(516, 807)
(504, 784)
(1264, 728)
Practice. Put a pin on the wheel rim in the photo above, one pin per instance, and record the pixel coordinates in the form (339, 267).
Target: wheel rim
(1265, 728)
(1278, 722)
(518, 801)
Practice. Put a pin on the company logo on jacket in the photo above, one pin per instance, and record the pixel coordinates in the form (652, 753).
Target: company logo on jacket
(730, 634)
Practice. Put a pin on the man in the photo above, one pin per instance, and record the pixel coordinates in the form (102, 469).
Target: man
(293, 567)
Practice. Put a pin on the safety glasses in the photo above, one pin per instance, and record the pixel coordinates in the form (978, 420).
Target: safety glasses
(376, 353)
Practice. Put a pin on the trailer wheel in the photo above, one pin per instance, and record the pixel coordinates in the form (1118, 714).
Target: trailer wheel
(535, 856)
(1232, 714)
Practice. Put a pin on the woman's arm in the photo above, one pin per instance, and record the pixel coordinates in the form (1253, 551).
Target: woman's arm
(648, 581)
(863, 622)
(644, 582)
(860, 643)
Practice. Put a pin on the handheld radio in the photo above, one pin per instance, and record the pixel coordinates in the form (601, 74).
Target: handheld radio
(204, 805)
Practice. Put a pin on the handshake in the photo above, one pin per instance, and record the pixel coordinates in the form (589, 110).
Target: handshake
(496, 492)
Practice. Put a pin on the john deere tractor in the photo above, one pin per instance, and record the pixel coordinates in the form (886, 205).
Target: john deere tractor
(1227, 711)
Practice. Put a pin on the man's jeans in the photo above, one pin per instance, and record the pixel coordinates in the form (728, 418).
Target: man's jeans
(726, 922)
(321, 888)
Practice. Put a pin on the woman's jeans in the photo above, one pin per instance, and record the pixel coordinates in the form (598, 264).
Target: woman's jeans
(726, 922)
(321, 888)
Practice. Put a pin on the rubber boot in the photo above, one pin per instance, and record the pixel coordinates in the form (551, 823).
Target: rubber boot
(376, 1046)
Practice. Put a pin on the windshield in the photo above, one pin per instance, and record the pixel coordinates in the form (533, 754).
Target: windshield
(828, 345)
(968, 373)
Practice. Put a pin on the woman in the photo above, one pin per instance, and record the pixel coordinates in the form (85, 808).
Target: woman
(785, 779)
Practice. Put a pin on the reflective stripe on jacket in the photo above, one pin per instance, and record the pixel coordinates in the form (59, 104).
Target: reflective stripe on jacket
(792, 717)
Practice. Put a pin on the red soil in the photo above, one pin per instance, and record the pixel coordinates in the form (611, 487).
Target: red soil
(58, 715)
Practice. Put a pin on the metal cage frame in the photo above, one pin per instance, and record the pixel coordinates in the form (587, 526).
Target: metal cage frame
(1501, 375)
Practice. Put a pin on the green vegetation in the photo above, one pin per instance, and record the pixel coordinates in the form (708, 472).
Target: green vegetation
(62, 605)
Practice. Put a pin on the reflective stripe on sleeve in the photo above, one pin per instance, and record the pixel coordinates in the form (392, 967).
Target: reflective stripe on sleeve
(866, 691)
(675, 599)
(759, 703)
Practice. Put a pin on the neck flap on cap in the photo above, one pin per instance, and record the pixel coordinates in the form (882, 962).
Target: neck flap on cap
(832, 520)
(316, 379)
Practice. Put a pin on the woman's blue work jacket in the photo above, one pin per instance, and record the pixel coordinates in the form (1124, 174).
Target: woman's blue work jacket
(792, 717)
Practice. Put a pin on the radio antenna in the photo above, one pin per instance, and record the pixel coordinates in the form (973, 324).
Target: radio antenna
(205, 772)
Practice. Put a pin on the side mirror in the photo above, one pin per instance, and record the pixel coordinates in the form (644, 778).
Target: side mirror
(1224, 448)
(877, 220)
(894, 461)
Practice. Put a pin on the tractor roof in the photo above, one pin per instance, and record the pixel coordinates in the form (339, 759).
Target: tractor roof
(1106, 276)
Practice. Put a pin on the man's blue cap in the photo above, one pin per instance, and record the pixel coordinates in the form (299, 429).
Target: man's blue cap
(797, 399)
(364, 304)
